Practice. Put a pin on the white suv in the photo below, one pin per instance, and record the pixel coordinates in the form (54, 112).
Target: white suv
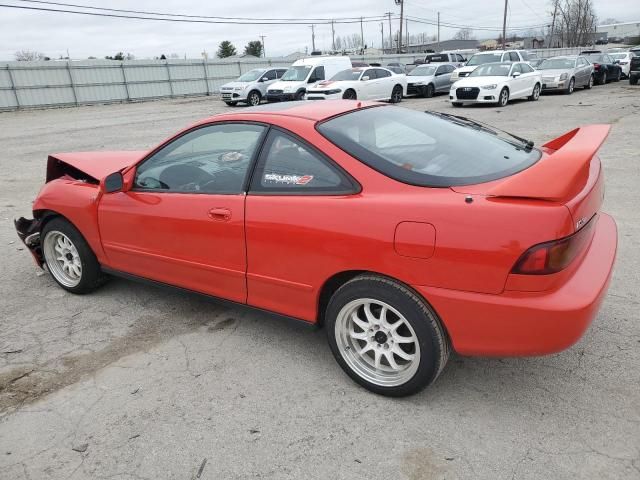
(493, 56)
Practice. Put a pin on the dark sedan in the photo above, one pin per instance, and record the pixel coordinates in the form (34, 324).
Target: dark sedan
(604, 68)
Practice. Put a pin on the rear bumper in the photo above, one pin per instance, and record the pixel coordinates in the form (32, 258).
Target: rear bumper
(530, 323)
(29, 233)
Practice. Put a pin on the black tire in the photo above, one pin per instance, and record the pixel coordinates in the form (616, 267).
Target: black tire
(231, 104)
(503, 99)
(618, 76)
(92, 276)
(254, 98)
(431, 337)
(396, 94)
(570, 87)
(456, 104)
(535, 94)
(350, 94)
(603, 79)
(633, 80)
(429, 91)
(299, 95)
(590, 83)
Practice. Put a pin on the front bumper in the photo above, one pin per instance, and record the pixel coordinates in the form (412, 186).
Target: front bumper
(233, 96)
(485, 96)
(530, 323)
(416, 89)
(554, 85)
(280, 97)
(323, 96)
(29, 233)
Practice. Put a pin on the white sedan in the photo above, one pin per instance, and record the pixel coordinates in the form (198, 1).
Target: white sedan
(497, 83)
(362, 83)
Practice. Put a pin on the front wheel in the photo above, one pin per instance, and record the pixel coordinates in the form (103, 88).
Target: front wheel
(254, 98)
(570, 87)
(618, 76)
(349, 95)
(429, 91)
(633, 80)
(589, 84)
(299, 95)
(231, 104)
(396, 94)
(385, 337)
(503, 99)
(69, 258)
(535, 95)
(456, 104)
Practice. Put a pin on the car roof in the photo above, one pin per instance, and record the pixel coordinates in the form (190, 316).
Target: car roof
(316, 111)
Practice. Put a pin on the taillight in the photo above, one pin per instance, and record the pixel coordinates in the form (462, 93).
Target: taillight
(596, 66)
(551, 257)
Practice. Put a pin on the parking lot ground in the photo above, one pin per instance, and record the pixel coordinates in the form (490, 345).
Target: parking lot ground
(134, 382)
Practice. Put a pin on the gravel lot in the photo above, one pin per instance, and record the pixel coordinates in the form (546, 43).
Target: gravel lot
(134, 382)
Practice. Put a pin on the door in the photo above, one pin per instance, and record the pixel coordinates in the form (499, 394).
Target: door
(368, 87)
(519, 83)
(290, 249)
(385, 83)
(443, 78)
(182, 222)
(271, 77)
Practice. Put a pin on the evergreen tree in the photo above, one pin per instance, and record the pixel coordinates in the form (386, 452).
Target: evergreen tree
(226, 49)
(253, 48)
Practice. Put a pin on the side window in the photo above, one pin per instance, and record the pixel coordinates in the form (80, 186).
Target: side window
(516, 69)
(279, 73)
(371, 73)
(440, 70)
(287, 165)
(459, 58)
(526, 68)
(513, 56)
(449, 68)
(608, 59)
(317, 75)
(380, 73)
(212, 159)
(271, 75)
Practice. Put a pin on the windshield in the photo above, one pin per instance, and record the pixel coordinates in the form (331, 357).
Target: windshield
(492, 70)
(595, 58)
(251, 75)
(296, 74)
(422, 71)
(618, 56)
(557, 63)
(480, 58)
(346, 75)
(426, 149)
(435, 58)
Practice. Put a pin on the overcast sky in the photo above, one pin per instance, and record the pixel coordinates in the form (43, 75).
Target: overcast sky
(54, 33)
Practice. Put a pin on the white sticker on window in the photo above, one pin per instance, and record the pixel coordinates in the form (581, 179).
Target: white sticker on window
(287, 179)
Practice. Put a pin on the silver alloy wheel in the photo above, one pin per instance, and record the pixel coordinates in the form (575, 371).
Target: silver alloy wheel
(377, 342)
(590, 81)
(572, 83)
(536, 92)
(63, 259)
(254, 99)
(504, 97)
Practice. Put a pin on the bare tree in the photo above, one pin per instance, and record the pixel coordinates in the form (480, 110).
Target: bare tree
(464, 34)
(28, 56)
(575, 21)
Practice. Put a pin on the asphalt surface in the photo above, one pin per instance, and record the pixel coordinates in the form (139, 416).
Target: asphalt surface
(133, 382)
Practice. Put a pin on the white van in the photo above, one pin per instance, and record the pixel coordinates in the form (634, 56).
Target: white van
(305, 73)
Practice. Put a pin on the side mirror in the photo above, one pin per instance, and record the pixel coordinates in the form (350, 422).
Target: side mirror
(516, 74)
(364, 79)
(264, 79)
(113, 183)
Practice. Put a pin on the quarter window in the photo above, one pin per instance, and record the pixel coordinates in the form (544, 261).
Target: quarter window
(214, 159)
(287, 165)
(513, 56)
(380, 73)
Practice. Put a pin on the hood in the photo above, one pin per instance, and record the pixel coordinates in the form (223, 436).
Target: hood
(477, 81)
(96, 165)
(235, 84)
(419, 78)
(467, 69)
(287, 86)
(555, 72)
(331, 83)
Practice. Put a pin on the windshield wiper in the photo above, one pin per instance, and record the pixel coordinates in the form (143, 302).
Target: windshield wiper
(528, 144)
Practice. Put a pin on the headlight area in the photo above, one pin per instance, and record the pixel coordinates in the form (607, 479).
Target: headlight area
(563, 76)
(332, 92)
(489, 87)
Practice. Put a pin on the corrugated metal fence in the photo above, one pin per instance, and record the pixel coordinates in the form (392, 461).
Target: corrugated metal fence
(62, 83)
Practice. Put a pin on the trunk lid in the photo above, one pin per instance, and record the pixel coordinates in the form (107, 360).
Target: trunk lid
(568, 172)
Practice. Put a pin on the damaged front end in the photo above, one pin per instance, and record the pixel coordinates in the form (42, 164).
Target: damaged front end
(29, 232)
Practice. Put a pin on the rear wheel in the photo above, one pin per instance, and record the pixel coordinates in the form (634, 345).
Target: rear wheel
(69, 258)
(350, 95)
(633, 80)
(254, 98)
(603, 80)
(385, 337)
(429, 91)
(570, 87)
(396, 94)
(589, 83)
(503, 99)
(618, 76)
(535, 95)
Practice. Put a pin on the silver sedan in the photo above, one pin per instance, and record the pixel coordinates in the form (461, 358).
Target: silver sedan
(566, 73)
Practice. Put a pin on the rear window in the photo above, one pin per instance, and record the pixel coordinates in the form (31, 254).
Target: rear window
(424, 149)
(480, 58)
(442, 58)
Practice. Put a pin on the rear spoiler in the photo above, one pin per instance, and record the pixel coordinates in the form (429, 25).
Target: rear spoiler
(565, 170)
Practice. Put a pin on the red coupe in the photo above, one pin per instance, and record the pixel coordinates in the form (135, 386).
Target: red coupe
(405, 234)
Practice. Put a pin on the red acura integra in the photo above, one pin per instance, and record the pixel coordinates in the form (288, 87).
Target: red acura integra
(405, 234)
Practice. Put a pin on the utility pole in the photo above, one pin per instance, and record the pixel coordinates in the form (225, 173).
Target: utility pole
(313, 38)
(390, 34)
(438, 31)
(333, 36)
(361, 36)
(553, 22)
(264, 52)
(382, 36)
(504, 24)
(401, 3)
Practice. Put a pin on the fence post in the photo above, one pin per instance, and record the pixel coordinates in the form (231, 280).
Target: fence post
(13, 87)
(124, 80)
(73, 86)
(239, 68)
(166, 62)
(206, 75)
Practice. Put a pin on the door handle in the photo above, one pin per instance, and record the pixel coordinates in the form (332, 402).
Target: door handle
(222, 214)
